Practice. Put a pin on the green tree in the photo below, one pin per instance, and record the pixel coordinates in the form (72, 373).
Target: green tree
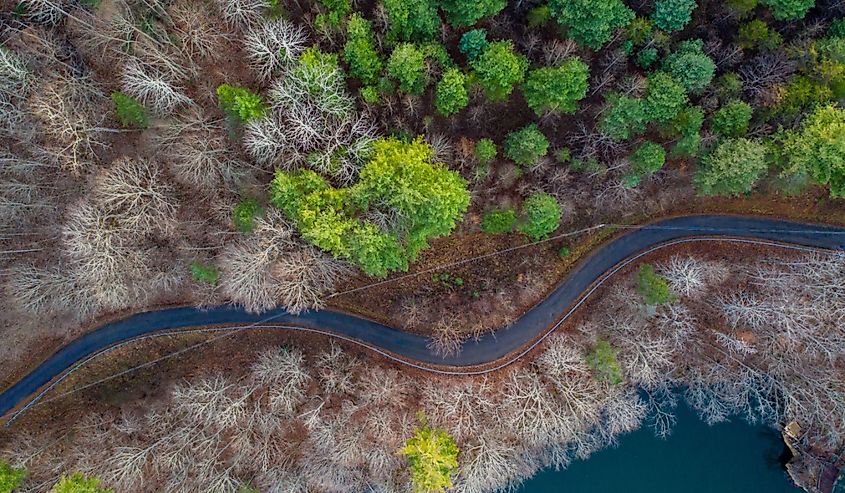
(742, 7)
(79, 483)
(526, 145)
(400, 179)
(407, 66)
(690, 66)
(758, 34)
(624, 117)
(733, 167)
(817, 148)
(240, 102)
(129, 111)
(591, 22)
(648, 158)
(451, 93)
(687, 127)
(540, 216)
(245, 213)
(462, 13)
(432, 457)
(360, 50)
(485, 151)
(672, 15)
(538, 16)
(647, 56)
(204, 273)
(837, 28)
(411, 20)
(498, 68)
(473, 43)
(732, 119)
(788, 9)
(602, 359)
(10, 477)
(653, 288)
(498, 221)
(557, 88)
(665, 98)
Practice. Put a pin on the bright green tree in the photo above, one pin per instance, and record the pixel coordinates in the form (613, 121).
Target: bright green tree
(473, 43)
(244, 214)
(653, 287)
(462, 13)
(485, 151)
(591, 22)
(240, 103)
(624, 117)
(690, 66)
(732, 119)
(451, 93)
(498, 68)
(400, 178)
(665, 98)
(648, 158)
(498, 221)
(204, 273)
(557, 88)
(407, 66)
(672, 15)
(10, 477)
(788, 9)
(732, 168)
(432, 457)
(411, 20)
(541, 215)
(817, 148)
(129, 111)
(360, 50)
(602, 359)
(526, 145)
(79, 483)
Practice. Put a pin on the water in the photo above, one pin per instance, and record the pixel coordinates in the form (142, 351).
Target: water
(725, 458)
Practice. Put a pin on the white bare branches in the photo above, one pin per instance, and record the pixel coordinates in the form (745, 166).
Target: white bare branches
(158, 91)
(272, 46)
(241, 14)
(14, 74)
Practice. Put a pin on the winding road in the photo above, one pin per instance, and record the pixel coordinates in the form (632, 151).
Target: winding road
(502, 347)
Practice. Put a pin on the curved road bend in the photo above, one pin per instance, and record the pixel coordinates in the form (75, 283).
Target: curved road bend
(490, 347)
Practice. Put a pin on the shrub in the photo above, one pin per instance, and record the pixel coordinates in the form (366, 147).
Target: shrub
(432, 457)
(10, 477)
(360, 50)
(245, 213)
(742, 7)
(563, 155)
(240, 103)
(204, 273)
(653, 288)
(538, 16)
(665, 98)
(485, 151)
(788, 9)
(758, 34)
(129, 111)
(407, 66)
(473, 43)
(732, 119)
(687, 126)
(624, 117)
(498, 68)
(591, 22)
(817, 148)
(411, 20)
(602, 359)
(733, 167)
(690, 66)
(558, 88)
(401, 180)
(639, 31)
(526, 145)
(451, 92)
(672, 15)
(499, 221)
(78, 483)
(648, 158)
(540, 216)
(564, 252)
(462, 13)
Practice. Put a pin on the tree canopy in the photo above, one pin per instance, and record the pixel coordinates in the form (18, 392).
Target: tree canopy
(79, 483)
(462, 13)
(789, 9)
(10, 477)
(402, 199)
(540, 216)
(733, 167)
(411, 20)
(672, 15)
(526, 145)
(591, 22)
(690, 66)
(407, 66)
(653, 288)
(557, 88)
(360, 50)
(498, 68)
(817, 148)
(732, 119)
(451, 94)
(432, 457)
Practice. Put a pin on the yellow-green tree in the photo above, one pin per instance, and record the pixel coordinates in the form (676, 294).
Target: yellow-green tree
(432, 457)
(79, 483)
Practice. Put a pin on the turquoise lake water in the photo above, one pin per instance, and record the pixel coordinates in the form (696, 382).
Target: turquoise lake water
(725, 458)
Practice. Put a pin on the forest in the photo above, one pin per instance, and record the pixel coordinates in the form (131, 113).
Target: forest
(312, 154)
